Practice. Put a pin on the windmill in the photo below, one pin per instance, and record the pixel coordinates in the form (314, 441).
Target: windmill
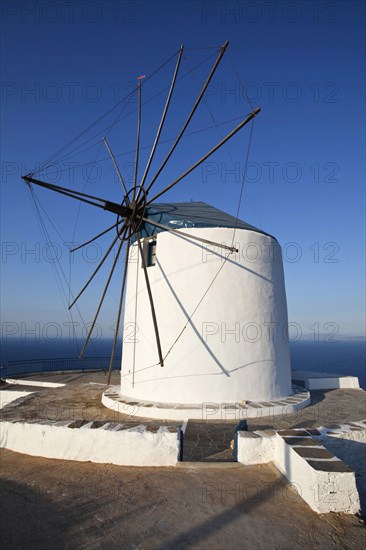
(140, 218)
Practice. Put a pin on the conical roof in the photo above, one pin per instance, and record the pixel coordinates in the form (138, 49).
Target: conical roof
(179, 215)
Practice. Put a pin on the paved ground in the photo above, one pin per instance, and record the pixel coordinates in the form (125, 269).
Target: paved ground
(80, 399)
(208, 441)
(327, 408)
(205, 440)
(55, 504)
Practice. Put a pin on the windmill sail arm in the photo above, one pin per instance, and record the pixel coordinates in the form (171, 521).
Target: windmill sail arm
(207, 155)
(125, 269)
(102, 299)
(137, 136)
(194, 108)
(97, 268)
(120, 177)
(83, 197)
(167, 103)
(152, 306)
(94, 238)
(180, 233)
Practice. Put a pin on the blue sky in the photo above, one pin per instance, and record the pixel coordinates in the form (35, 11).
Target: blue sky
(302, 62)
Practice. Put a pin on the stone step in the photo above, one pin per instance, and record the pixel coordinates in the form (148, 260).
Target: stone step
(208, 442)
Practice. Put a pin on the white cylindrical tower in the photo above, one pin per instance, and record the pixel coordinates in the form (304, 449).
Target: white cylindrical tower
(222, 317)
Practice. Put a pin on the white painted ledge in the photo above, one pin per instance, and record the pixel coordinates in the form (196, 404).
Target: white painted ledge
(323, 491)
(7, 396)
(255, 447)
(129, 447)
(35, 383)
(324, 380)
(205, 411)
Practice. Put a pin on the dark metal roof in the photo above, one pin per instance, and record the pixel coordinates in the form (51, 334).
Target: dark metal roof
(179, 215)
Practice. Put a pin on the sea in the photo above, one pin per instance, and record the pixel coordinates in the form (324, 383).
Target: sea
(338, 357)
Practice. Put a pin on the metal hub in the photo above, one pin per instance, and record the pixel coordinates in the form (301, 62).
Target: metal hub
(135, 201)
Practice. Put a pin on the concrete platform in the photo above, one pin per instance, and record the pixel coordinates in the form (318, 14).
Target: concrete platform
(80, 399)
(324, 480)
(313, 380)
(68, 421)
(62, 504)
(299, 399)
(209, 439)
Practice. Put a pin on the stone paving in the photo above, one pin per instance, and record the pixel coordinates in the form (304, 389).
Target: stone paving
(61, 504)
(328, 407)
(213, 411)
(208, 442)
(80, 401)
(311, 450)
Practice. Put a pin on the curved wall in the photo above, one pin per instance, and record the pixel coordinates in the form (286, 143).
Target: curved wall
(222, 324)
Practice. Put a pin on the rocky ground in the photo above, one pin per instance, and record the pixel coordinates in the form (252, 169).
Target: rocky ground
(52, 504)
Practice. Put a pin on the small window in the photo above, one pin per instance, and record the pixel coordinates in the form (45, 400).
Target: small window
(151, 253)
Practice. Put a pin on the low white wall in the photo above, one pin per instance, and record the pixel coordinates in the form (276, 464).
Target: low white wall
(36, 383)
(350, 446)
(131, 447)
(313, 380)
(207, 411)
(323, 491)
(343, 440)
(7, 396)
(255, 448)
(333, 383)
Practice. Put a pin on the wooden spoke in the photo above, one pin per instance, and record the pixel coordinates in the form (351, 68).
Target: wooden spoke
(83, 197)
(97, 269)
(95, 238)
(137, 136)
(178, 232)
(162, 120)
(194, 108)
(153, 314)
(202, 159)
(132, 211)
(119, 312)
(102, 298)
(116, 167)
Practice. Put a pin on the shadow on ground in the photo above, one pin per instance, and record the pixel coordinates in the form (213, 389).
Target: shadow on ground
(55, 504)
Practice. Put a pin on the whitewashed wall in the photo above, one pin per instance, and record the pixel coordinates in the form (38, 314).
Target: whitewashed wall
(130, 447)
(234, 348)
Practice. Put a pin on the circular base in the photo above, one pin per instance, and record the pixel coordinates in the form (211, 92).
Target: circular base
(206, 411)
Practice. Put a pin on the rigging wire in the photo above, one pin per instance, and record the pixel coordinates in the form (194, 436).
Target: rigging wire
(43, 166)
(106, 113)
(237, 73)
(77, 221)
(189, 118)
(227, 255)
(204, 48)
(101, 143)
(37, 207)
(161, 142)
(244, 176)
(240, 80)
(119, 117)
(104, 132)
(216, 125)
